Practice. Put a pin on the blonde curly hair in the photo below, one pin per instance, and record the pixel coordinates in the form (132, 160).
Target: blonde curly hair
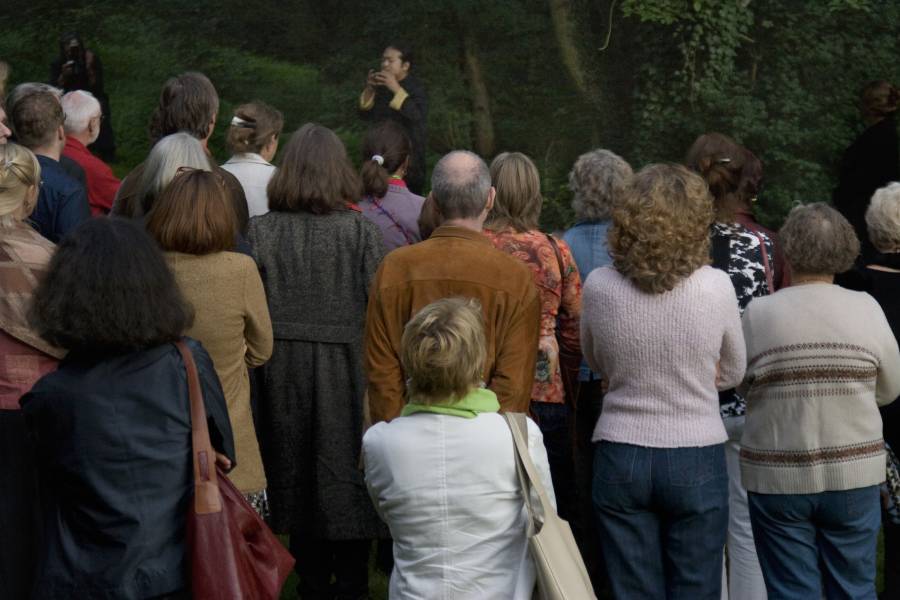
(660, 229)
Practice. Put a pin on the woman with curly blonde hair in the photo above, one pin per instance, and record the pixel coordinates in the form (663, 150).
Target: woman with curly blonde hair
(663, 327)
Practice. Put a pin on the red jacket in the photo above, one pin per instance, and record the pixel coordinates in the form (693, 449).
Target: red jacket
(102, 185)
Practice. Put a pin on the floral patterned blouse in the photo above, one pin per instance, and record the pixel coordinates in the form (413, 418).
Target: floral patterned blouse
(747, 271)
(560, 303)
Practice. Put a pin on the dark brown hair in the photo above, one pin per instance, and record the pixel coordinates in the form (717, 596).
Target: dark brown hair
(390, 142)
(260, 124)
(188, 102)
(730, 170)
(110, 263)
(315, 175)
(35, 118)
(194, 215)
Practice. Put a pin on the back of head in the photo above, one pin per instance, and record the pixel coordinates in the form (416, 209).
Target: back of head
(111, 263)
(879, 99)
(194, 215)
(23, 89)
(818, 240)
(442, 350)
(518, 200)
(315, 175)
(36, 119)
(730, 170)
(173, 152)
(188, 102)
(660, 228)
(19, 170)
(597, 180)
(79, 107)
(385, 149)
(253, 126)
(883, 218)
(460, 185)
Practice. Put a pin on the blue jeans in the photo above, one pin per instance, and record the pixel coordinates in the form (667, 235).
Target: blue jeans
(804, 540)
(662, 514)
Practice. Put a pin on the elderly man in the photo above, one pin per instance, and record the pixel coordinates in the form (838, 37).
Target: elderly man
(188, 103)
(37, 120)
(83, 118)
(458, 260)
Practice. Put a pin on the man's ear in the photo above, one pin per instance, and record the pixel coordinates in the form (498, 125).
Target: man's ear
(430, 201)
(490, 201)
(61, 133)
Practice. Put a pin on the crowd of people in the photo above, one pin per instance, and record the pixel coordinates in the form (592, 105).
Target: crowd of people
(708, 398)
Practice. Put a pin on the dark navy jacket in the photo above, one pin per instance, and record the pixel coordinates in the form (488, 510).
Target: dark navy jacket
(62, 203)
(112, 441)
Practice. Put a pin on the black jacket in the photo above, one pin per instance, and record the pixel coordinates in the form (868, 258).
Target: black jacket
(112, 438)
(413, 115)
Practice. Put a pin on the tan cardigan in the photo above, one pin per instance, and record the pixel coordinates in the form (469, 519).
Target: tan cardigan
(232, 322)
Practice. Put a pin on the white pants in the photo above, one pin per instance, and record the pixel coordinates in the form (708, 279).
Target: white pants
(745, 580)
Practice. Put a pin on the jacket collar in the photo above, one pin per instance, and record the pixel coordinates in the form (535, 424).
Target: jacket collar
(248, 157)
(451, 231)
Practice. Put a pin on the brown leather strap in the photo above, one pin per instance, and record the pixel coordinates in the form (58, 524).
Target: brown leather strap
(559, 262)
(206, 484)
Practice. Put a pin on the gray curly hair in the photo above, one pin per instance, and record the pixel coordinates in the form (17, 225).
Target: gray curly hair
(597, 179)
(883, 218)
(818, 240)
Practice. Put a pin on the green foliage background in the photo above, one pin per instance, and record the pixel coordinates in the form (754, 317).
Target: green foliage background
(781, 77)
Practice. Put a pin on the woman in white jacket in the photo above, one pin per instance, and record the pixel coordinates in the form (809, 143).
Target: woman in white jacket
(443, 475)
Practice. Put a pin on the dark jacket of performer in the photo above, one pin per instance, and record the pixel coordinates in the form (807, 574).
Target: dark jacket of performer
(409, 107)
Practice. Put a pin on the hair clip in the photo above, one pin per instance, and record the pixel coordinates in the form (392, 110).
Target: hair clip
(239, 122)
(378, 158)
(723, 161)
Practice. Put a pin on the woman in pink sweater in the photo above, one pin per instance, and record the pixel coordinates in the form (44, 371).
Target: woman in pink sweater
(664, 328)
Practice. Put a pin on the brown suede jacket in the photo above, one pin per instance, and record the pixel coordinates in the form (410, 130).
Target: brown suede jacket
(454, 262)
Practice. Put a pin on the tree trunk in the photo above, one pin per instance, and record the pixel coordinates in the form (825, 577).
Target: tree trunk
(566, 38)
(481, 100)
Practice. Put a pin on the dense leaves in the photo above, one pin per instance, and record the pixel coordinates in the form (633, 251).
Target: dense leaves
(641, 77)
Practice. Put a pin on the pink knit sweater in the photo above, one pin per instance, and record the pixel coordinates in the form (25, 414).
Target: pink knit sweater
(660, 354)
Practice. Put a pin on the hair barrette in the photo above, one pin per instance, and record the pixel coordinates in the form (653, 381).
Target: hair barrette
(378, 158)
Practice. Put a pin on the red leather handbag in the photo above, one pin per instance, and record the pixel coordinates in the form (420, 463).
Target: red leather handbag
(234, 554)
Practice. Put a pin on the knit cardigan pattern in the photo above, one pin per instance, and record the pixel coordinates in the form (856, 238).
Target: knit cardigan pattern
(821, 359)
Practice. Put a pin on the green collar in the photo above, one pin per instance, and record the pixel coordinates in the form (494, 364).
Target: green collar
(479, 400)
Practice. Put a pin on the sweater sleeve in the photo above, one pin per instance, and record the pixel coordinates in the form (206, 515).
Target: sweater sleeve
(733, 352)
(257, 323)
(589, 315)
(538, 453)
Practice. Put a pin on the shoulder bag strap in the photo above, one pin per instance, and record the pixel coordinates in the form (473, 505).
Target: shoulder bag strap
(530, 481)
(559, 262)
(206, 485)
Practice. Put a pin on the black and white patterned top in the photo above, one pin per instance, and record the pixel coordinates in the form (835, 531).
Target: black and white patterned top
(747, 270)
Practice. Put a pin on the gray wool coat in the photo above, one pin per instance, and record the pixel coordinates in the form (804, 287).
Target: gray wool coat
(316, 270)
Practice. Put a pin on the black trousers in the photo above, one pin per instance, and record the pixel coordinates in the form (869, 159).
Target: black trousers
(891, 561)
(318, 560)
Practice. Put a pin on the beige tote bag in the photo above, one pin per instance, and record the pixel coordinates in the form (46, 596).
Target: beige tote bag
(561, 574)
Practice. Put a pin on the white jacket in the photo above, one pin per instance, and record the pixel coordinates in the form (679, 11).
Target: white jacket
(254, 173)
(447, 488)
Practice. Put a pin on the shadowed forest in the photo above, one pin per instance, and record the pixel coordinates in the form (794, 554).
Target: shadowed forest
(552, 78)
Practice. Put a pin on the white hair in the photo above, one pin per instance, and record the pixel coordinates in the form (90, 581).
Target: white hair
(883, 218)
(23, 89)
(171, 153)
(80, 107)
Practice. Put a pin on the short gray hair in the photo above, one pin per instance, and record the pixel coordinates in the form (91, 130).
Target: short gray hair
(883, 218)
(80, 107)
(597, 179)
(168, 155)
(818, 240)
(23, 89)
(460, 185)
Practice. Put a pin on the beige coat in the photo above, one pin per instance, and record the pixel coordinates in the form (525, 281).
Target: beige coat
(232, 322)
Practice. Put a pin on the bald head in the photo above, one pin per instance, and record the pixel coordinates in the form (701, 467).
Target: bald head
(461, 185)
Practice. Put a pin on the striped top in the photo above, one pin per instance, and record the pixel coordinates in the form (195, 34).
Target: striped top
(821, 359)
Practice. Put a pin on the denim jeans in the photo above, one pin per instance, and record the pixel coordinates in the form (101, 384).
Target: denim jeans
(663, 517)
(555, 423)
(805, 540)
